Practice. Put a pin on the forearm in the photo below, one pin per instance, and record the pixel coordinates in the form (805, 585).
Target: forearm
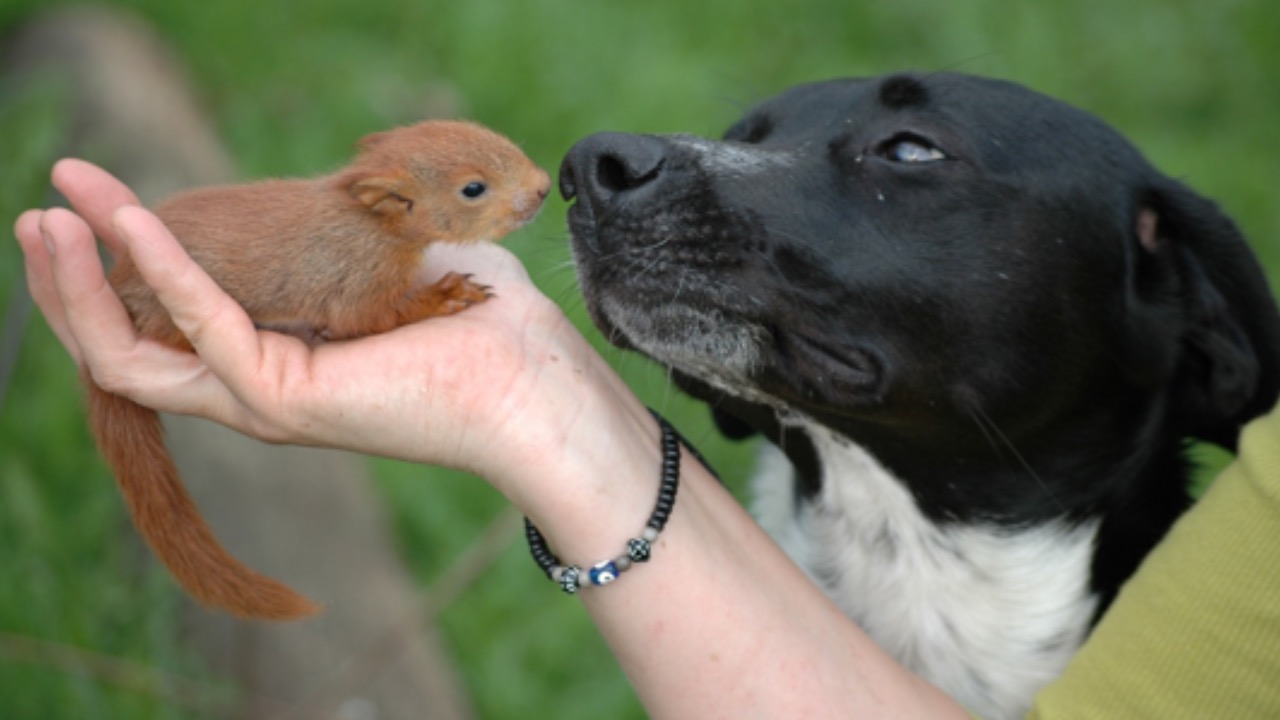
(719, 623)
(764, 642)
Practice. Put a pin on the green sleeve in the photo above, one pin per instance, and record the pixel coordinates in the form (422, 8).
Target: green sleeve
(1196, 632)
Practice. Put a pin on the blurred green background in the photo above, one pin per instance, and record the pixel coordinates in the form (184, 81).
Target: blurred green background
(291, 85)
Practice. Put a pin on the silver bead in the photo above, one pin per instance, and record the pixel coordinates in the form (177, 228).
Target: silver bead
(638, 549)
(569, 578)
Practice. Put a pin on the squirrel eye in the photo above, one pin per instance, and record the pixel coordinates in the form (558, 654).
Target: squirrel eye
(474, 190)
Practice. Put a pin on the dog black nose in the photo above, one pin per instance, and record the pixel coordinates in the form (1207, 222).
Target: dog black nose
(602, 166)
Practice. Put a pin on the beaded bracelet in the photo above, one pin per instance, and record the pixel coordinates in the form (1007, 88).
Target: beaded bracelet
(571, 578)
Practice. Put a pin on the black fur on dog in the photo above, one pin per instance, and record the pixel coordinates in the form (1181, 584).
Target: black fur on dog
(988, 293)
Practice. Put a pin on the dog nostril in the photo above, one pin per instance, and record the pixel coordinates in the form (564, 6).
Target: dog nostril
(617, 175)
(611, 174)
(606, 165)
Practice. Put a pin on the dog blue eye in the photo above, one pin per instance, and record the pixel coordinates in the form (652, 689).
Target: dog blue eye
(474, 190)
(911, 150)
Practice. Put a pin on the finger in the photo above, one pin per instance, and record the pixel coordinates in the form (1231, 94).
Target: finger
(155, 375)
(40, 283)
(93, 314)
(217, 327)
(99, 327)
(95, 194)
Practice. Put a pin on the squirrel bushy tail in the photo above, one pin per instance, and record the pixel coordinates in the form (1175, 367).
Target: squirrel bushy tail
(131, 438)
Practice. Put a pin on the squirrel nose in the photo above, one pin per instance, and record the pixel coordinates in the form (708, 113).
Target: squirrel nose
(542, 185)
(601, 167)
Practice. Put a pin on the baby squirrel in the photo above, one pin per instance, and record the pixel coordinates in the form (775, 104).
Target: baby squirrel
(333, 257)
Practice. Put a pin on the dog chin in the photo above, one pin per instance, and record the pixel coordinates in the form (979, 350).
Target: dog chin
(701, 343)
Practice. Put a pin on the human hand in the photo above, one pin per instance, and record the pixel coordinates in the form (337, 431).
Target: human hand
(488, 390)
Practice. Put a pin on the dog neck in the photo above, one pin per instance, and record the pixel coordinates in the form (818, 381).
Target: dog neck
(987, 612)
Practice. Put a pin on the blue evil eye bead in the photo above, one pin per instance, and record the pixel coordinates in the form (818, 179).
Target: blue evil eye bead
(603, 573)
(638, 549)
(569, 579)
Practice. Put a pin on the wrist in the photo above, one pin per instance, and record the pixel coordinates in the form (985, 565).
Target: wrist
(572, 577)
(581, 457)
(594, 486)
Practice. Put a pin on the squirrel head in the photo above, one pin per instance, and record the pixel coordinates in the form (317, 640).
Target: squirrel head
(446, 181)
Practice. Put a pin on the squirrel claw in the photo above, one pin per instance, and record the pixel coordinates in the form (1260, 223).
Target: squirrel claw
(453, 293)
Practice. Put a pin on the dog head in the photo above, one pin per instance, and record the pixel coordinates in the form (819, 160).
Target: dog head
(921, 262)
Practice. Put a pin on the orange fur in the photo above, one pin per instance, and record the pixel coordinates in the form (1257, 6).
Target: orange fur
(332, 257)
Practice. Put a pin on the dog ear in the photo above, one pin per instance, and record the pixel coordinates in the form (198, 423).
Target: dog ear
(1193, 268)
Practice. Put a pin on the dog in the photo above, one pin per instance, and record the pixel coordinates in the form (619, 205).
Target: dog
(977, 327)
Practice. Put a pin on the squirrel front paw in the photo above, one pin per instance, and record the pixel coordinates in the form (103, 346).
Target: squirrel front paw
(450, 294)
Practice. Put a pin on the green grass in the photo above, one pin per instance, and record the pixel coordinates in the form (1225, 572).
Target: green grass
(291, 85)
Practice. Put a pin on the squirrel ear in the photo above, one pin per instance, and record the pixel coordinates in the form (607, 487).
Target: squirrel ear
(372, 140)
(384, 194)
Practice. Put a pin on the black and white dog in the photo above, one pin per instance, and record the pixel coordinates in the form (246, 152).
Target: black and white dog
(978, 328)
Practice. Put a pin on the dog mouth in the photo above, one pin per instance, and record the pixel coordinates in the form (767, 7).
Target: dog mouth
(650, 290)
(673, 271)
(711, 328)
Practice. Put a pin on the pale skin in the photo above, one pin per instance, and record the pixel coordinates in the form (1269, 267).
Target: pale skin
(720, 624)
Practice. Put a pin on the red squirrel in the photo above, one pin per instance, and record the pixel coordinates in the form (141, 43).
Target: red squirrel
(334, 257)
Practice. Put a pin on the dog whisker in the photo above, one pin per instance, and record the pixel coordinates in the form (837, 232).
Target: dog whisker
(992, 432)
